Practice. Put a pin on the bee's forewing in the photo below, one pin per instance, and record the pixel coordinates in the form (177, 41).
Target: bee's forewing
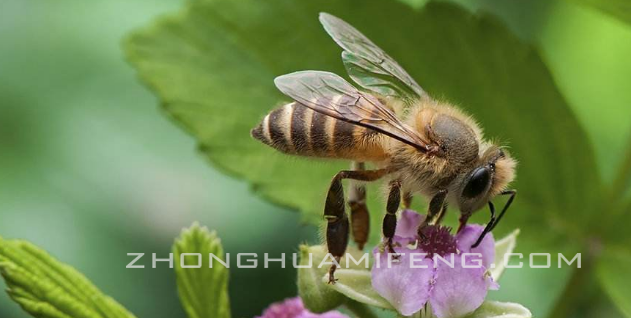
(331, 95)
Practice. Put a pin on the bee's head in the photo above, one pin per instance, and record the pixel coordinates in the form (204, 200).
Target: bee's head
(494, 171)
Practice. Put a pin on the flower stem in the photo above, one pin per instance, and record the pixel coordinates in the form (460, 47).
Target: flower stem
(359, 310)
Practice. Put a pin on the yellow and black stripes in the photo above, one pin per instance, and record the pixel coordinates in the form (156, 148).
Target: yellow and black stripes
(297, 129)
(299, 136)
(318, 137)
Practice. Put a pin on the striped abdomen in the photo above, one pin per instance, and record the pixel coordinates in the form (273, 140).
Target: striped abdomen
(297, 129)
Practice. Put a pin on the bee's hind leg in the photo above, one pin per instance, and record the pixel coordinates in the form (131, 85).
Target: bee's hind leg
(360, 219)
(334, 212)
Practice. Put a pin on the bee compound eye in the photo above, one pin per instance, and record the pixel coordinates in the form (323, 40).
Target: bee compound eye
(477, 183)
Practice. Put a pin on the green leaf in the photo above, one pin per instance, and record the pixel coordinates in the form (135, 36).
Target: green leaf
(503, 247)
(47, 288)
(614, 273)
(203, 289)
(622, 182)
(618, 9)
(496, 309)
(213, 64)
(356, 284)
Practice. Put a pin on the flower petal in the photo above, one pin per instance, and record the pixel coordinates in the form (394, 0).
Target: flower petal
(408, 223)
(458, 291)
(503, 247)
(404, 284)
(356, 284)
(289, 308)
(496, 309)
(293, 308)
(469, 235)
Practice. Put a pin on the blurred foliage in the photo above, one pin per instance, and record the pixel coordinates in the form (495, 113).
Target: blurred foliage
(619, 9)
(85, 161)
(90, 171)
(613, 271)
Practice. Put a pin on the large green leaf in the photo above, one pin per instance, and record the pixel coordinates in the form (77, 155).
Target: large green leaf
(212, 66)
(203, 288)
(47, 288)
(619, 9)
(614, 273)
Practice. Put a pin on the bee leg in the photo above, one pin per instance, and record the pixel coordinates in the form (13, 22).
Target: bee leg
(390, 219)
(493, 222)
(443, 212)
(334, 212)
(332, 269)
(512, 193)
(464, 218)
(435, 212)
(407, 199)
(337, 223)
(360, 220)
(488, 226)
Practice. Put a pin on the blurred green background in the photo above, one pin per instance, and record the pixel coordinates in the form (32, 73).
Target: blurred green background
(90, 169)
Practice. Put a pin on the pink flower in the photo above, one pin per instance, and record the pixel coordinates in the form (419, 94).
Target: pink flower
(293, 308)
(419, 277)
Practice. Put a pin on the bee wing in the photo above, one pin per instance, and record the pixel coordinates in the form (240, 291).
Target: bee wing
(367, 64)
(331, 95)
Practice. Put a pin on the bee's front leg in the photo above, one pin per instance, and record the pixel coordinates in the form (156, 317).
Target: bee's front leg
(493, 222)
(390, 219)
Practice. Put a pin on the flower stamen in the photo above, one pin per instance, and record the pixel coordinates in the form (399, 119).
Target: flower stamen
(437, 240)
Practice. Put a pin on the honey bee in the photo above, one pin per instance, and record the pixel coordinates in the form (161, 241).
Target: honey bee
(420, 145)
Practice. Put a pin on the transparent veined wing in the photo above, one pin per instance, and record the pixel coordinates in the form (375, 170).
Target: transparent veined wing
(331, 95)
(368, 65)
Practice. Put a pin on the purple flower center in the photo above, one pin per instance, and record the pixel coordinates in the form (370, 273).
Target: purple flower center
(451, 290)
(436, 239)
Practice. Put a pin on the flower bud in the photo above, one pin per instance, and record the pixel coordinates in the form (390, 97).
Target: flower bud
(317, 296)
